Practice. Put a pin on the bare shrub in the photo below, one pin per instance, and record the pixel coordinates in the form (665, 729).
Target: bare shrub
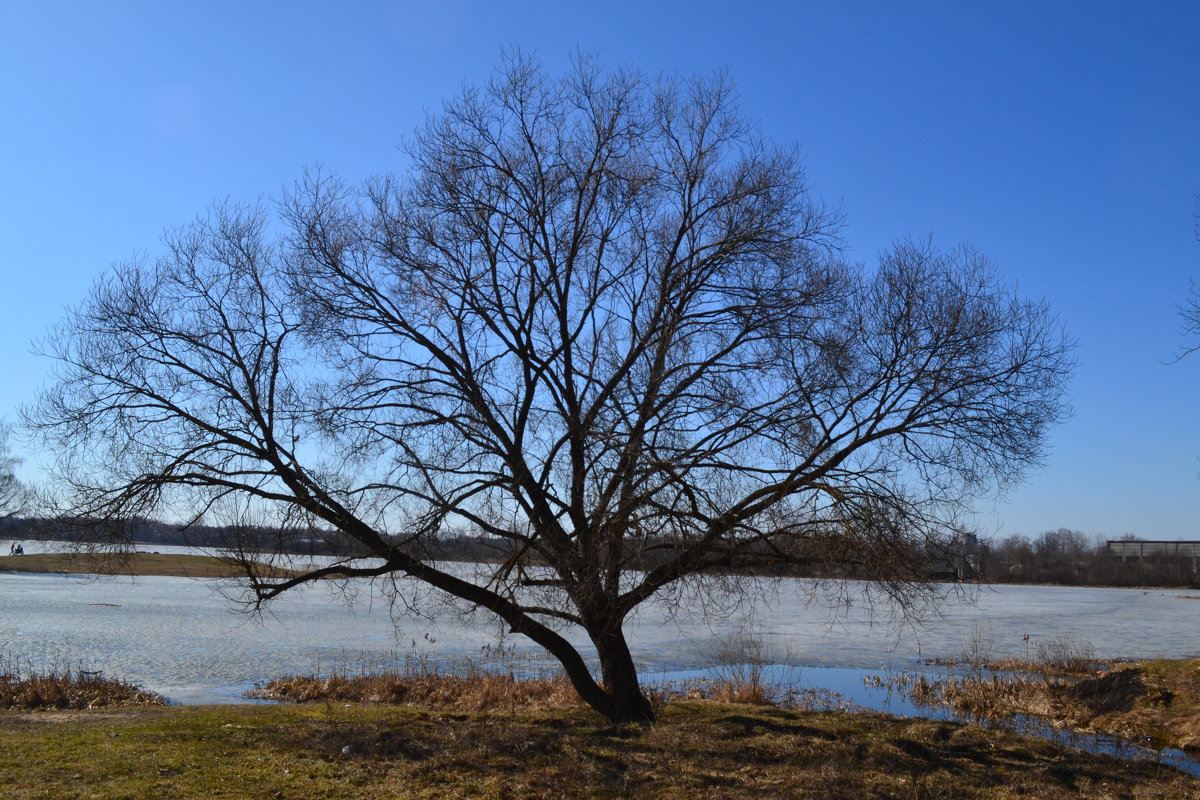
(740, 660)
(978, 647)
(740, 657)
(1067, 654)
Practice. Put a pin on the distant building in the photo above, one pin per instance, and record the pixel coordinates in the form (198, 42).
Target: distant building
(1139, 549)
(957, 559)
(967, 556)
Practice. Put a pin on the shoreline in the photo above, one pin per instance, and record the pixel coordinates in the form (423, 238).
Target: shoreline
(206, 566)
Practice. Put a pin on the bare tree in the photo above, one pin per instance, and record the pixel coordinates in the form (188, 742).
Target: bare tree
(599, 322)
(1190, 310)
(14, 496)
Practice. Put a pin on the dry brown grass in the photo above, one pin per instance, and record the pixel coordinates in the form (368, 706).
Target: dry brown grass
(994, 697)
(750, 693)
(1167, 712)
(1065, 656)
(1156, 702)
(696, 751)
(477, 691)
(480, 690)
(68, 689)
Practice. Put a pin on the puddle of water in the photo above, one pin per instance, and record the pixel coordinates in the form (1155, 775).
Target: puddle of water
(1107, 745)
(233, 694)
(837, 688)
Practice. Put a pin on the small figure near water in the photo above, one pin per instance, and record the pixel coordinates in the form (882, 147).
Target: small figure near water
(15, 549)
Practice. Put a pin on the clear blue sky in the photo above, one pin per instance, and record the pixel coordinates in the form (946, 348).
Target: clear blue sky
(1062, 139)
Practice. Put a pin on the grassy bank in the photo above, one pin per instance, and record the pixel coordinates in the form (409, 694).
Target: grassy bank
(140, 564)
(1151, 702)
(696, 750)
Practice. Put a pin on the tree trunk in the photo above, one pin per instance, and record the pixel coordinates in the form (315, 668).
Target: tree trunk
(624, 700)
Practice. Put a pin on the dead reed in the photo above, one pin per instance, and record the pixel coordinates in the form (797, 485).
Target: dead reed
(477, 691)
(1064, 656)
(54, 688)
(721, 690)
(482, 690)
(994, 697)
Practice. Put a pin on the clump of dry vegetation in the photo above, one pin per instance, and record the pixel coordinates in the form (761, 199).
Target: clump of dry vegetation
(477, 691)
(480, 690)
(1065, 656)
(722, 690)
(1157, 702)
(995, 697)
(29, 689)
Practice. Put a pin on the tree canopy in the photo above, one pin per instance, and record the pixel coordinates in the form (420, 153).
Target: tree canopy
(598, 321)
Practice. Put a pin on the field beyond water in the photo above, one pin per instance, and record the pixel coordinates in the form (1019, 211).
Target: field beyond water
(696, 750)
(175, 565)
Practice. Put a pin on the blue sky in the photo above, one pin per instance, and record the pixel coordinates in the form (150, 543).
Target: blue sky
(1062, 139)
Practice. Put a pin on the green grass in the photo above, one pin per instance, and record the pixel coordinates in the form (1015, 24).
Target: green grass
(696, 750)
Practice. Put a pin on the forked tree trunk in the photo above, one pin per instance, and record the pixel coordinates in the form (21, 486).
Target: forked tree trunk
(623, 699)
(618, 697)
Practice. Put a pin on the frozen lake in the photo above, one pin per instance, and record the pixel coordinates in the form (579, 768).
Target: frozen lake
(180, 637)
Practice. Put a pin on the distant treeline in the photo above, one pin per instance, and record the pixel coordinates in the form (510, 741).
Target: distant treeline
(297, 541)
(1073, 558)
(1059, 557)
